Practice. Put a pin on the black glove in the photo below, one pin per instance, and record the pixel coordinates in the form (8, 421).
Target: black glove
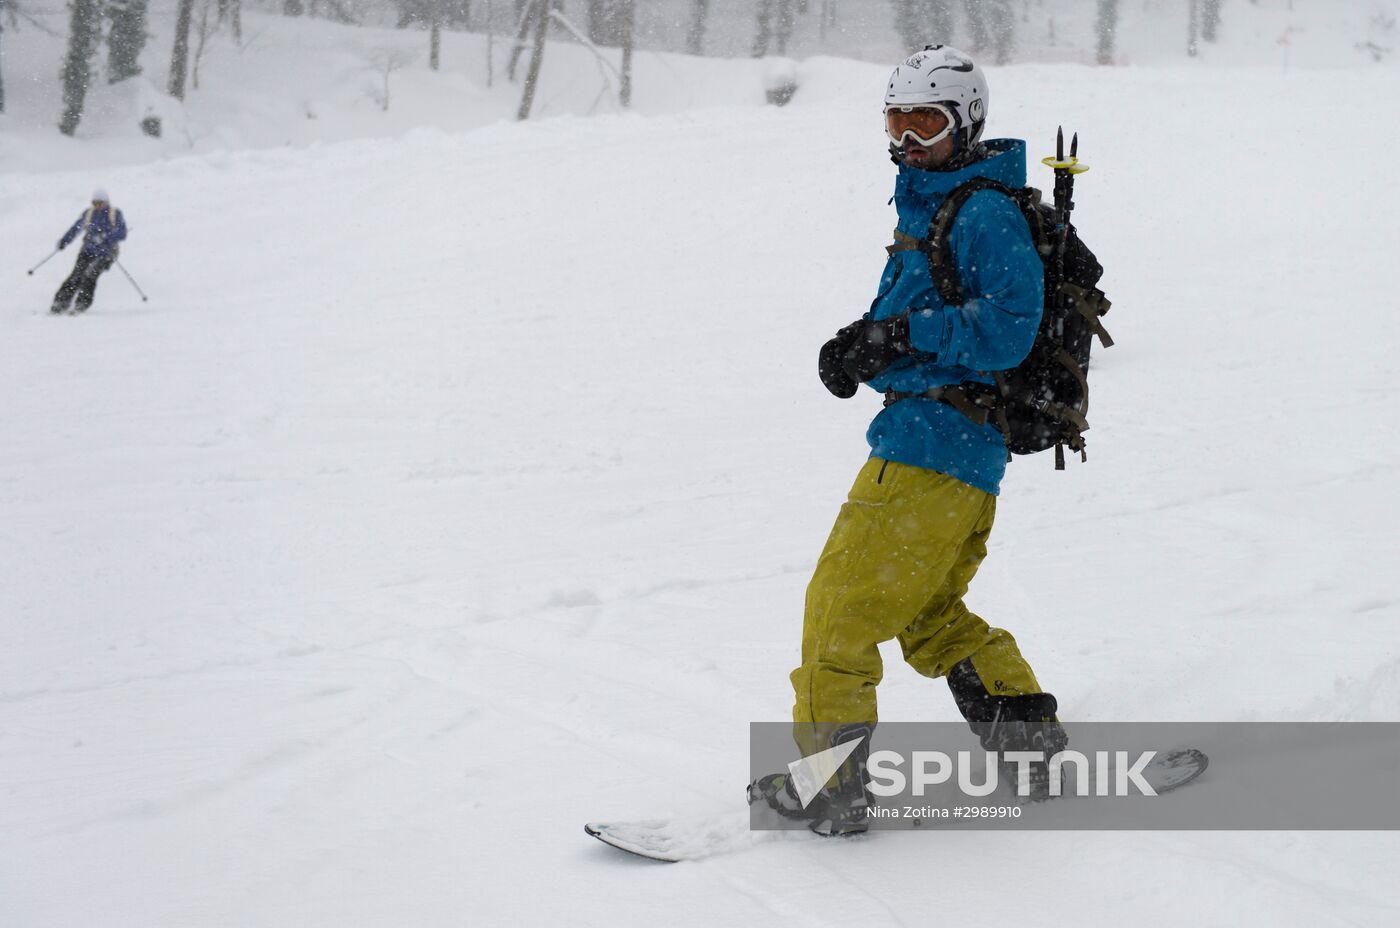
(875, 346)
(829, 363)
(62, 244)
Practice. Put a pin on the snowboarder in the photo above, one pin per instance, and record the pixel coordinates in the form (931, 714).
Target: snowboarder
(103, 229)
(914, 529)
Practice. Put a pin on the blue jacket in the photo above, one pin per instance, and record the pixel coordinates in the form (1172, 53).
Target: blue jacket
(105, 228)
(1003, 279)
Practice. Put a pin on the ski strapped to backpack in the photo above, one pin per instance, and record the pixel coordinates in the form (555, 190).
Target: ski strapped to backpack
(1043, 401)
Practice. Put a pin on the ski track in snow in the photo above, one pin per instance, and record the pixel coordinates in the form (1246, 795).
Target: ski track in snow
(456, 489)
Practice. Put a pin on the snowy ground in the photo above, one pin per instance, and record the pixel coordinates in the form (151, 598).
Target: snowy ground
(455, 489)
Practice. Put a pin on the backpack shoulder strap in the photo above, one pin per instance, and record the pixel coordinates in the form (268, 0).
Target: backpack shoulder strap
(942, 265)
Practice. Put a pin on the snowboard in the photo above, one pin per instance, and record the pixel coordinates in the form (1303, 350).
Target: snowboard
(673, 840)
(1175, 769)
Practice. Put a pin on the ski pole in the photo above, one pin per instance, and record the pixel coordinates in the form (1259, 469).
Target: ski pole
(45, 261)
(1065, 170)
(133, 282)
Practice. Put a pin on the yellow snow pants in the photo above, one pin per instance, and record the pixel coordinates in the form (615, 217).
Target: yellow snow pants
(905, 546)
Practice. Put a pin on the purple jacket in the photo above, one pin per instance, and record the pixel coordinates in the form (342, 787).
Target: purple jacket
(104, 229)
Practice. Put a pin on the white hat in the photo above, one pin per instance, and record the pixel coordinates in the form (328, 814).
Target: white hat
(100, 196)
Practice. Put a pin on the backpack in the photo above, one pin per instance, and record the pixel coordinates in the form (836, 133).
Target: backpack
(1044, 400)
(111, 217)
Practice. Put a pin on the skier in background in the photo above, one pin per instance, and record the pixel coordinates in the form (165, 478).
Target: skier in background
(103, 229)
(915, 527)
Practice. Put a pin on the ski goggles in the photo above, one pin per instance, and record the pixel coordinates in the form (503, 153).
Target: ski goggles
(927, 125)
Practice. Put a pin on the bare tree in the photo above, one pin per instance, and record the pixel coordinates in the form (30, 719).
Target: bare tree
(386, 61)
(606, 21)
(335, 11)
(2, 45)
(490, 43)
(532, 78)
(1106, 27)
(1193, 28)
(231, 12)
(435, 35)
(1210, 19)
(180, 53)
(993, 26)
(606, 68)
(764, 35)
(202, 30)
(84, 30)
(776, 19)
(457, 13)
(828, 19)
(977, 24)
(412, 13)
(525, 18)
(699, 20)
(629, 37)
(125, 39)
(924, 22)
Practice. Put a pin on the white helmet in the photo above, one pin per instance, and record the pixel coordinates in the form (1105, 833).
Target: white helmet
(943, 76)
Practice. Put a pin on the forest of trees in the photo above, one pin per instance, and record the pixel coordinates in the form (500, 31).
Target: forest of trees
(989, 28)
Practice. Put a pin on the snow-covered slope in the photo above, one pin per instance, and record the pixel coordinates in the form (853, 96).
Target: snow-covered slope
(455, 489)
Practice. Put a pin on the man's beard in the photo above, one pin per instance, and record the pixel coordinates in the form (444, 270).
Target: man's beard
(969, 155)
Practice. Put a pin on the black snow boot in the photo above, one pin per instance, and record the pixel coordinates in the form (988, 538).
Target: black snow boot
(1011, 723)
(842, 807)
